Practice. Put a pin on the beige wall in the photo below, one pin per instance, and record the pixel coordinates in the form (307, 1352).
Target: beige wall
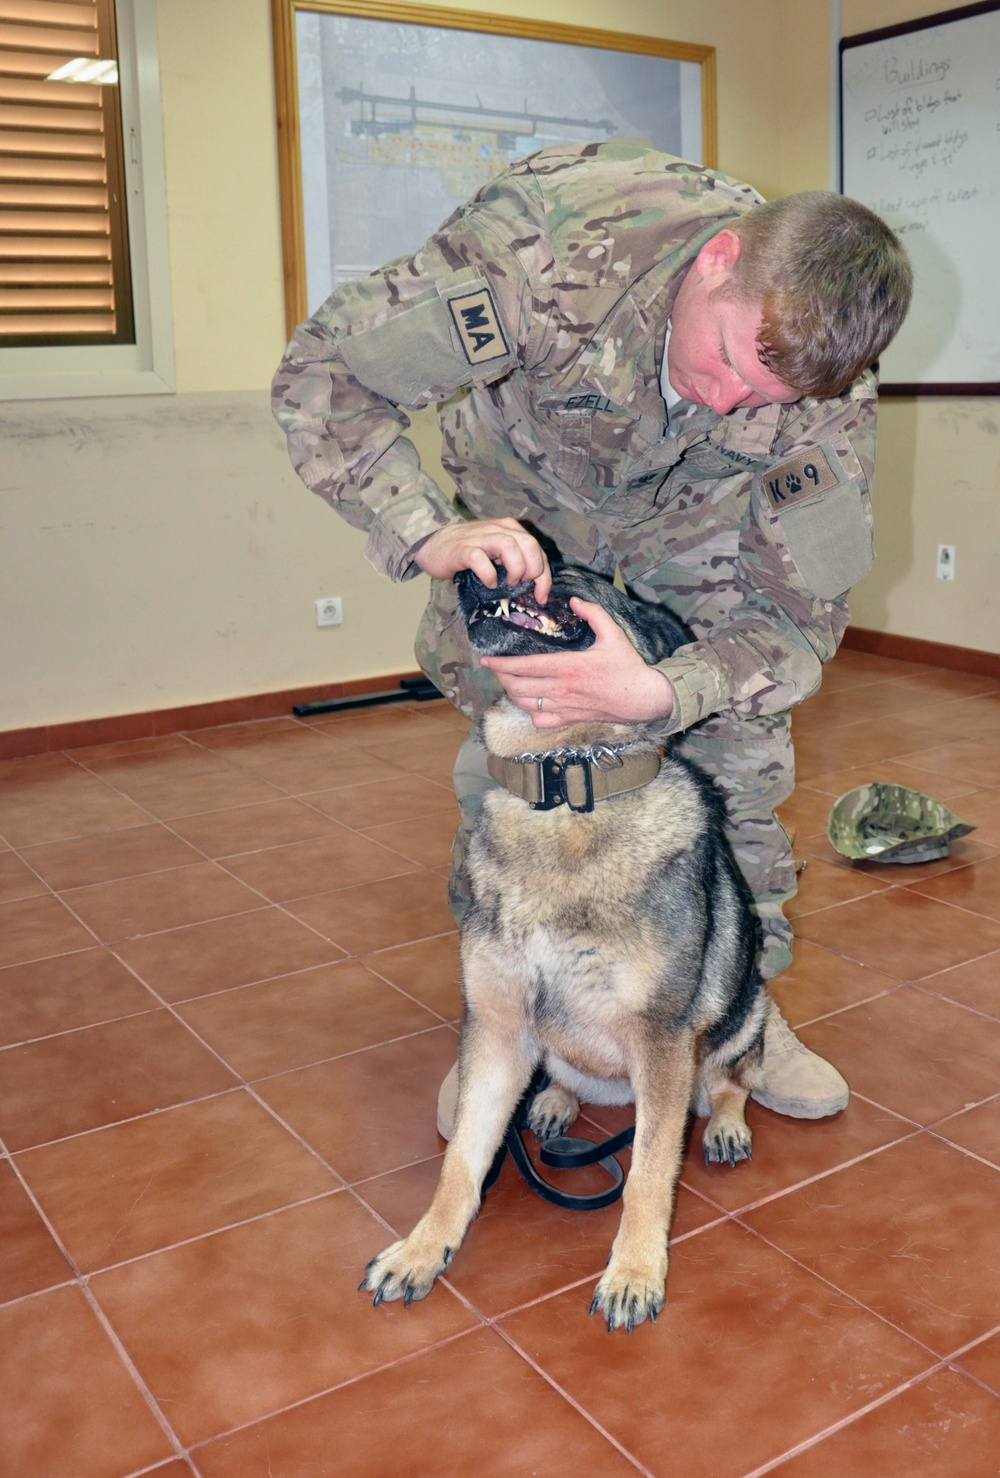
(159, 552)
(938, 482)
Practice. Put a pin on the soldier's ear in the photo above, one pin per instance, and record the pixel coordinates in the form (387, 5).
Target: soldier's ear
(719, 255)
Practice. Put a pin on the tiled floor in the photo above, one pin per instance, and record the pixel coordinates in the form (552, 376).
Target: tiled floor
(228, 993)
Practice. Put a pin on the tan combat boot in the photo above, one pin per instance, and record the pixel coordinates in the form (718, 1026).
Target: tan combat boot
(447, 1103)
(797, 1082)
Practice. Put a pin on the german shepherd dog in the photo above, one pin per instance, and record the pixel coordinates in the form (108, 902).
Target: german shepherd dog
(609, 939)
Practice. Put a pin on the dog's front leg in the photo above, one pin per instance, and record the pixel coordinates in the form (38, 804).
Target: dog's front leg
(495, 1067)
(632, 1288)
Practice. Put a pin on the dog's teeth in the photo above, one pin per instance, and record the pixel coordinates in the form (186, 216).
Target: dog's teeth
(503, 608)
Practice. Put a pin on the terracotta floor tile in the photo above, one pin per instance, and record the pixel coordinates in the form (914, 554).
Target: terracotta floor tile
(17, 879)
(890, 772)
(67, 991)
(973, 717)
(377, 802)
(805, 811)
(193, 961)
(130, 1189)
(112, 854)
(975, 984)
(983, 1362)
(819, 981)
(430, 969)
(912, 1232)
(982, 809)
(29, 1258)
(424, 756)
(521, 1248)
(34, 928)
(162, 900)
(427, 840)
(939, 683)
(373, 1111)
(249, 828)
(254, 745)
(976, 888)
(388, 725)
(976, 1129)
(850, 669)
(167, 754)
(413, 1420)
(857, 744)
(264, 1029)
(211, 790)
(104, 1074)
(67, 805)
(901, 933)
(236, 1326)
(976, 760)
(822, 885)
(787, 1152)
(70, 1405)
(942, 1425)
(335, 860)
(376, 915)
(830, 708)
(740, 1319)
(322, 770)
(912, 1052)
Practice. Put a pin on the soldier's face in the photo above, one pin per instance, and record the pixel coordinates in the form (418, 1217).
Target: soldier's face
(712, 356)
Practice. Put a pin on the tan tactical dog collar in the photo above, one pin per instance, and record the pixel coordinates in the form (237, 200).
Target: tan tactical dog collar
(573, 777)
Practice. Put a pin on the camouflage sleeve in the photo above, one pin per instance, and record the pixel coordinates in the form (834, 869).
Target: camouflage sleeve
(456, 313)
(805, 540)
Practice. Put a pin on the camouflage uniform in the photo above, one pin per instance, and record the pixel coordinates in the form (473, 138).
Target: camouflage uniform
(538, 311)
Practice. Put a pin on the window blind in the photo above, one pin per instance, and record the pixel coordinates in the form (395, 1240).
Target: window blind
(64, 267)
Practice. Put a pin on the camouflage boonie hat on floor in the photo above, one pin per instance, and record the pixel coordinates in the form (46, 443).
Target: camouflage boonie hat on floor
(890, 823)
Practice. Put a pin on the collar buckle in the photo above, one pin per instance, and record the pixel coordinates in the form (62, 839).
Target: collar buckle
(559, 788)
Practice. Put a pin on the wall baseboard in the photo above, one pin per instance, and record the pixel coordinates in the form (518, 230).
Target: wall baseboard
(915, 649)
(15, 743)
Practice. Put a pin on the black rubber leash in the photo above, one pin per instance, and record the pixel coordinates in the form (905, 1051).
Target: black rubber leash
(566, 1152)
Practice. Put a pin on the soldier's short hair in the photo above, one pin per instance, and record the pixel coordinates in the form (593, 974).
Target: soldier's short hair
(833, 280)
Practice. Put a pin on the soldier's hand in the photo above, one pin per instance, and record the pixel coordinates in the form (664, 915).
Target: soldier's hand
(474, 546)
(608, 681)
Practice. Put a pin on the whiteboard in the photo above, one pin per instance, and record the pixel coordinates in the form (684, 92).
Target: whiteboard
(920, 134)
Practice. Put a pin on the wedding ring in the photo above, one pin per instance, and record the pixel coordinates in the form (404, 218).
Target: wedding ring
(538, 704)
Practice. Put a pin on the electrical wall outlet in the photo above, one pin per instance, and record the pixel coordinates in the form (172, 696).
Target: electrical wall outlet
(946, 562)
(329, 611)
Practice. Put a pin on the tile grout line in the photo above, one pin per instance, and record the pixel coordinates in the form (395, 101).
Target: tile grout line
(843, 1292)
(571, 1401)
(80, 1280)
(810, 1442)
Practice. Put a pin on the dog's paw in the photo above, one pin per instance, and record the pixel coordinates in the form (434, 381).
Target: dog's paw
(552, 1111)
(627, 1296)
(727, 1137)
(400, 1272)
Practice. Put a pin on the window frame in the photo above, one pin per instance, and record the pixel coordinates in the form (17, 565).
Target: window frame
(147, 366)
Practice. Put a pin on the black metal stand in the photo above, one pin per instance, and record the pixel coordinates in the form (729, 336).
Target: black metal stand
(420, 688)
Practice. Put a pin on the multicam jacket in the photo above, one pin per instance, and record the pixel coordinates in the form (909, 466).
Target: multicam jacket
(538, 312)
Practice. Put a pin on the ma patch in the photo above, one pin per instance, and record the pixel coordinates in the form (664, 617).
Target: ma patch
(478, 324)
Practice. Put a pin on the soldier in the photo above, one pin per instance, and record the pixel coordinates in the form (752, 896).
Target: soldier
(647, 371)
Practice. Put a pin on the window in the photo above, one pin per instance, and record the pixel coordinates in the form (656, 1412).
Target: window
(84, 295)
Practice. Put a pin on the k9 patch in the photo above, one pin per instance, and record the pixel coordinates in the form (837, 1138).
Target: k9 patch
(798, 478)
(475, 316)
